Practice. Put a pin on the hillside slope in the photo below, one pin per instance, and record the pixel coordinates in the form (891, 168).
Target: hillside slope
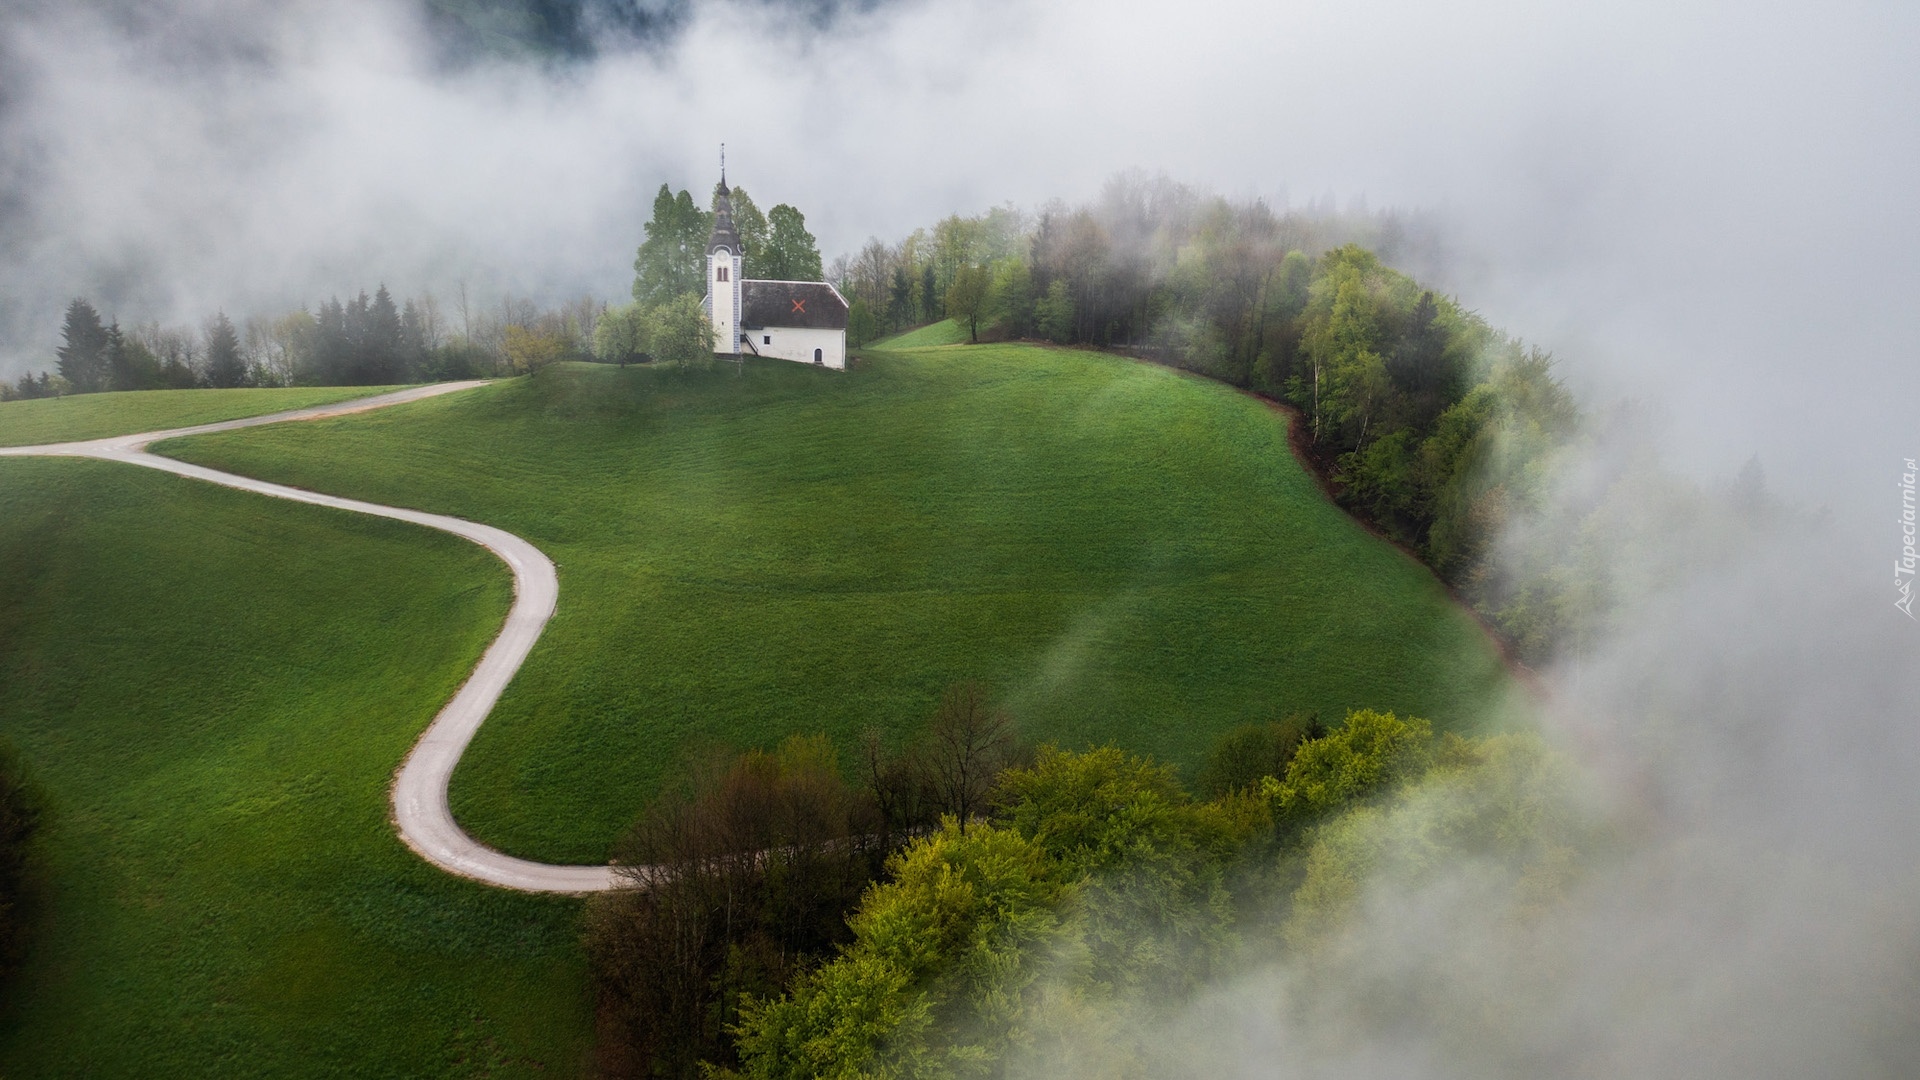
(1125, 554)
(213, 690)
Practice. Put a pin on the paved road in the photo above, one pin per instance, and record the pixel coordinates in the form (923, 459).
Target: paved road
(420, 808)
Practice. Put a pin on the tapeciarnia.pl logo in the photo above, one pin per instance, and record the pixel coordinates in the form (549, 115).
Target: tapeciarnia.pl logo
(1903, 566)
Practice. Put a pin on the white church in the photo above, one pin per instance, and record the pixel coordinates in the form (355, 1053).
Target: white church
(804, 321)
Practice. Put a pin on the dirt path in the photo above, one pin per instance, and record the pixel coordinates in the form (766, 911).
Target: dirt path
(420, 810)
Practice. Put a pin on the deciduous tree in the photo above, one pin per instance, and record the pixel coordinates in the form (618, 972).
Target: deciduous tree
(791, 253)
(530, 350)
(620, 337)
(671, 261)
(679, 333)
(967, 298)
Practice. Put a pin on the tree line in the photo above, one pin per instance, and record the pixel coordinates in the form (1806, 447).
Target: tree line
(667, 320)
(969, 899)
(364, 340)
(1443, 432)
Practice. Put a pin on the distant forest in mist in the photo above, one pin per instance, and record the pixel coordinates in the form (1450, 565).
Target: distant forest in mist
(1444, 433)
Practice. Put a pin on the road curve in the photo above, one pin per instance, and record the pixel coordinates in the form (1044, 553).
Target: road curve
(420, 809)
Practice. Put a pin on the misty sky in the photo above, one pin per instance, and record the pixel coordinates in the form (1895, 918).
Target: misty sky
(1709, 207)
(1705, 204)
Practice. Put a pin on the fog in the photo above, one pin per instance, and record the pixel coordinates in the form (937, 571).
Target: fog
(1705, 207)
(1702, 201)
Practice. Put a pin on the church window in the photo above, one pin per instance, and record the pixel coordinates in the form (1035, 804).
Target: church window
(766, 339)
(816, 356)
(720, 274)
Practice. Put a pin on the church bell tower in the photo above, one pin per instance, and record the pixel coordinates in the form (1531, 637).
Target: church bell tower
(725, 261)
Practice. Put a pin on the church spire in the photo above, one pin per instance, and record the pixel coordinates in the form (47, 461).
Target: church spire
(724, 234)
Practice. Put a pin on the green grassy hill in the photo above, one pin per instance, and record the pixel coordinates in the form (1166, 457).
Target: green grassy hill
(96, 416)
(213, 690)
(1124, 553)
(944, 332)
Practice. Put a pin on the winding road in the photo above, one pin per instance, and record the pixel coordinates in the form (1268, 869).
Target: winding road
(420, 809)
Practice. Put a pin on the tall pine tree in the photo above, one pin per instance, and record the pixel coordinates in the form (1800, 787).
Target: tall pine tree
(83, 357)
(226, 367)
(382, 353)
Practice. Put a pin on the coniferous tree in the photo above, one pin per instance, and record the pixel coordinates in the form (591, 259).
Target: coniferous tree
(83, 361)
(381, 348)
(131, 365)
(226, 367)
(900, 298)
(327, 359)
(114, 356)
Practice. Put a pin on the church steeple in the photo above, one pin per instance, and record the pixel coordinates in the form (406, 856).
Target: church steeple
(724, 235)
(725, 262)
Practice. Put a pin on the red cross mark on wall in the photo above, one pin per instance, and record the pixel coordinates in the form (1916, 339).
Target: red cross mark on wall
(800, 306)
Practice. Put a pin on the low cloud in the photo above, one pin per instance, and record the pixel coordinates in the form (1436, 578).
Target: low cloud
(1704, 207)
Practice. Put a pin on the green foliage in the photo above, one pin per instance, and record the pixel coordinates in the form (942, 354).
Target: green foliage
(672, 260)
(82, 354)
(758, 860)
(1102, 875)
(751, 224)
(967, 298)
(862, 327)
(791, 254)
(131, 364)
(365, 341)
(528, 351)
(1128, 556)
(1154, 910)
(1370, 752)
(1504, 806)
(1053, 313)
(213, 690)
(226, 368)
(1009, 301)
(1293, 306)
(620, 335)
(941, 955)
(1248, 754)
(680, 333)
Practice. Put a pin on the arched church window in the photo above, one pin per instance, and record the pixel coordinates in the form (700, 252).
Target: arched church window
(720, 274)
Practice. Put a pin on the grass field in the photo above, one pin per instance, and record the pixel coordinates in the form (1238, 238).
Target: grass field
(1123, 553)
(96, 416)
(944, 332)
(213, 690)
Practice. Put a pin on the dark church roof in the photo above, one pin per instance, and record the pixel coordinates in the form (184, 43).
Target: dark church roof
(813, 305)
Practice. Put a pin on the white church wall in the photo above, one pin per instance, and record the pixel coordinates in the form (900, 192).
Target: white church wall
(723, 300)
(798, 344)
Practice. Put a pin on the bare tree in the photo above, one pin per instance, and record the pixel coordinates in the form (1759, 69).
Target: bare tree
(968, 744)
